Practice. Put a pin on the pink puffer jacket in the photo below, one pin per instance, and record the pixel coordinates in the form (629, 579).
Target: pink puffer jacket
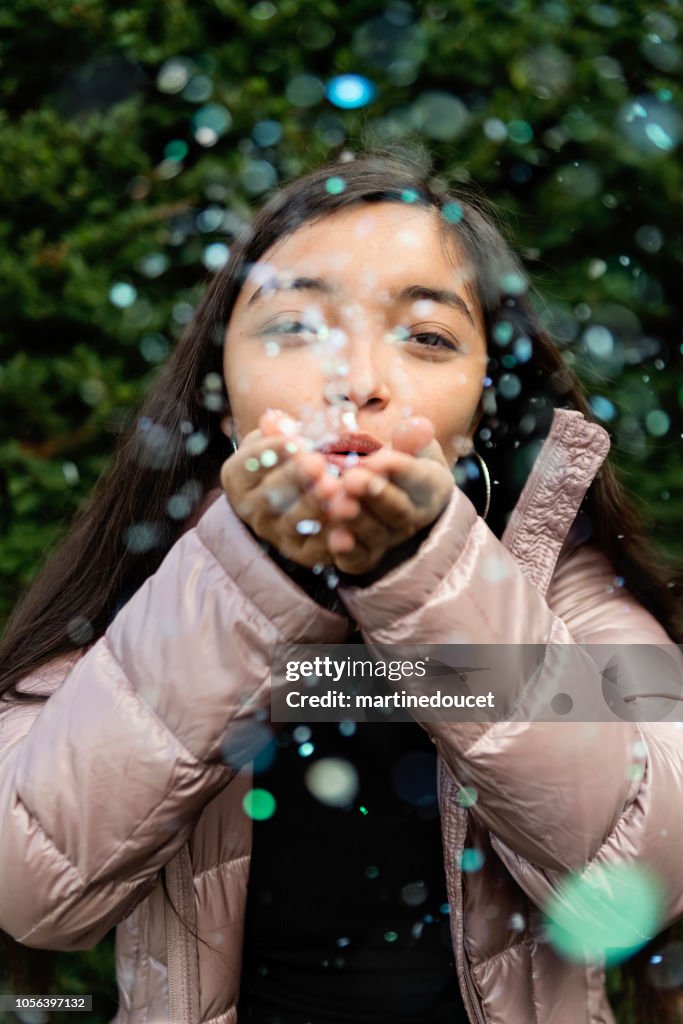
(119, 777)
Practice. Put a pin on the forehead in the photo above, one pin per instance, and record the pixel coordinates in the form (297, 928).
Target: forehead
(363, 247)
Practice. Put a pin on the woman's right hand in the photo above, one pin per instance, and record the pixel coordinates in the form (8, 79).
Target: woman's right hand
(283, 496)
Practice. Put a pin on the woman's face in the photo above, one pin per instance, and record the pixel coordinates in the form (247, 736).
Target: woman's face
(354, 323)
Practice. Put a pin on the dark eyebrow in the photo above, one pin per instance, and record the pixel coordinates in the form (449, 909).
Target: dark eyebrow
(411, 293)
(301, 284)
(415, 292)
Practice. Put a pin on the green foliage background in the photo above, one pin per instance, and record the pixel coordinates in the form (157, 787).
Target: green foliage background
(133, 140)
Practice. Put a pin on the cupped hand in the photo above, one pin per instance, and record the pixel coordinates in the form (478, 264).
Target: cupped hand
(286, 494)
(388, 497)
(279, 488)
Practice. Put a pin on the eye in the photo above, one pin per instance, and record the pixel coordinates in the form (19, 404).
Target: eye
(434, 340)
(293, 329)
(426, 339)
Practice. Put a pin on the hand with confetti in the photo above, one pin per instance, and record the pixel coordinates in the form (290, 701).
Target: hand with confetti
(394, 494)
(286, 494)
(279, 487)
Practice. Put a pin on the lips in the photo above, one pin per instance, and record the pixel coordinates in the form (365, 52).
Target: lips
(349, 449)
(352, 444)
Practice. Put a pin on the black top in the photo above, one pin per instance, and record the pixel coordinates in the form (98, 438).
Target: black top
(347, 915)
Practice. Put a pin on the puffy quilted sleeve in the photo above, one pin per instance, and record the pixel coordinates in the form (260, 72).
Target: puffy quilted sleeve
(555, 794)
(102, 785)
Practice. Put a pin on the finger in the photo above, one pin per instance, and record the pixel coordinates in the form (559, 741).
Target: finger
(275, 421)
(360, 482)
(260, 458)
(412, 435)
(279, 491)
(342, 506)
(416, 477)
(301, 532)
(376, 522)
(265, 460)
(249, 438)
(389, 463)
(326, 486)
(384, 501)
(309, 468)
(435, 453)
(390, 508)
(348, 514)
(422, 479)
(415, 436)
(305, 472)
(371, 533)
(340, 540)
(308, 550)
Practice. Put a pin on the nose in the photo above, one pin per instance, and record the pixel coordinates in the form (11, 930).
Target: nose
(361, 378)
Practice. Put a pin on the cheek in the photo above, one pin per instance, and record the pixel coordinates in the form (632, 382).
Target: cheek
(238, 376)
(453, 406)
(255, 384)
(239, 384)
(405, 387)
(251, 392)
(238, 373)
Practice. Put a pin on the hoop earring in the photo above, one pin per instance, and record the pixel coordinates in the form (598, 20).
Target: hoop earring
(228, 428)
(487, 481)
(233, 440)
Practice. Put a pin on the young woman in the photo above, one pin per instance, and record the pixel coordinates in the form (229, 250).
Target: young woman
(365, 333)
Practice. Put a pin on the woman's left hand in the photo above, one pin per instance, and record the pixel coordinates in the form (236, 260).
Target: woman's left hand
(392, 495)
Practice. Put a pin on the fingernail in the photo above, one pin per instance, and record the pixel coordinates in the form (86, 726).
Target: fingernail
(376, 486)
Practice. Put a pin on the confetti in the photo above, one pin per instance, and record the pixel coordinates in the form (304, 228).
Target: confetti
(605, 912)
(259, 804)
(350, 91)
(122, 295)
(308, 527)
(471, 860)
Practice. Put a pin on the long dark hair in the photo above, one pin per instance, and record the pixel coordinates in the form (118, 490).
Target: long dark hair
(171, 451)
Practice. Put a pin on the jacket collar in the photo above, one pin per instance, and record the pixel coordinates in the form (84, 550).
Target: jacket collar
(565, 467)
